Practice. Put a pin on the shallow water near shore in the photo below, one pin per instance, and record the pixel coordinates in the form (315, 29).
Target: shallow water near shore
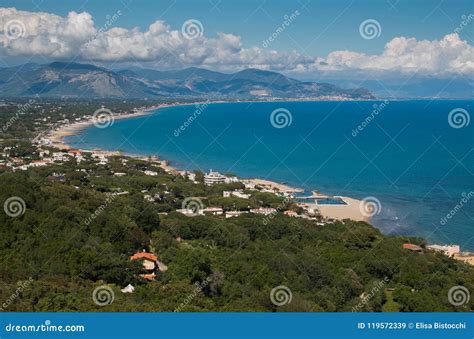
(404, 153)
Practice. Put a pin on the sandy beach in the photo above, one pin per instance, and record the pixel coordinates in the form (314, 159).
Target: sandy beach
(273, 185)
(57, 136)
(339, 212)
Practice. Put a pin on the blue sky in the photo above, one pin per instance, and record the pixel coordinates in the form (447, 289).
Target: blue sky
(431, 37)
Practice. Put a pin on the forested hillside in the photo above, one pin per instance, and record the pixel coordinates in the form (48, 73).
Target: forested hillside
(77, 234)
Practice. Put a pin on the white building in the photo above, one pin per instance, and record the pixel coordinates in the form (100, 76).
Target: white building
(39, 163)
(236, 193)
(446, 250)
(262, 210)
(189, 212)
(148, 197)
(217, 178)
(192, 177)
(152, 173)
(59, 156)
(128, 289)
(213, 210)
(214, 178)
(231, 214)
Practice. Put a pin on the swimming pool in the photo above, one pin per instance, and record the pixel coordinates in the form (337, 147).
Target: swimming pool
(330, 201)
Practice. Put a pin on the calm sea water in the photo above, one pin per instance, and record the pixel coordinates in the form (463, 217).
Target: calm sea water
(404, 153)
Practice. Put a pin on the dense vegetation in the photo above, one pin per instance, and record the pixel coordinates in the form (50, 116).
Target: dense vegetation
(75, 235)
(67, 253)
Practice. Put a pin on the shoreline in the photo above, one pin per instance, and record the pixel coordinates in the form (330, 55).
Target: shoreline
(56, 136)
(351, 210)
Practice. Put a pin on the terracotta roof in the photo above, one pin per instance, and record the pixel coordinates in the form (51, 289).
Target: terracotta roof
(412, 247)
(144, 255)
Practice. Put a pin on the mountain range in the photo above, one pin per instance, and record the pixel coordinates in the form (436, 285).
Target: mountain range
(74, 80)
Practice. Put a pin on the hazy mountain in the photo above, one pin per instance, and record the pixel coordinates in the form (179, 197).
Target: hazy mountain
(417, 87)
(59, 79)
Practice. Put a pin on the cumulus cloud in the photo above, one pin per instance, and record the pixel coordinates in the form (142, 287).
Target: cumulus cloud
(38, 33)
(77, 36)
(448, 55)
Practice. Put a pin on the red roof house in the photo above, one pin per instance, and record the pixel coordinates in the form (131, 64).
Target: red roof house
(412, 247)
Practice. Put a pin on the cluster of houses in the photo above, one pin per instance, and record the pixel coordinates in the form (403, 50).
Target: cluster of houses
(228, 214)
(453, 251)
(48, 157)
(214, 177)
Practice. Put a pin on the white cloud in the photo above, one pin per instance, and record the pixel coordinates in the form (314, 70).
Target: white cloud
(45, 34)
(76, 35)
(448, 55)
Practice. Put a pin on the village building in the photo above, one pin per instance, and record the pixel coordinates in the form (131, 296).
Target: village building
(212, 178)
(213, 210)
(446, 250)
(290, 213)
(412, 247)
(231, 214)
(150, 263)
(151, 173)
(237, 193)
(263, 210)
(189, 212)
(128, 289)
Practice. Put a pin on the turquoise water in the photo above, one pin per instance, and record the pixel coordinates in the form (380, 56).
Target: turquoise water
(407, 155)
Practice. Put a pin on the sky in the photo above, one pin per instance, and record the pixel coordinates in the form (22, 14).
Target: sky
(302, 37)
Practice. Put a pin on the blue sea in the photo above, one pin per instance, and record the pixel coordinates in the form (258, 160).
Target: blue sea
(415, 157)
